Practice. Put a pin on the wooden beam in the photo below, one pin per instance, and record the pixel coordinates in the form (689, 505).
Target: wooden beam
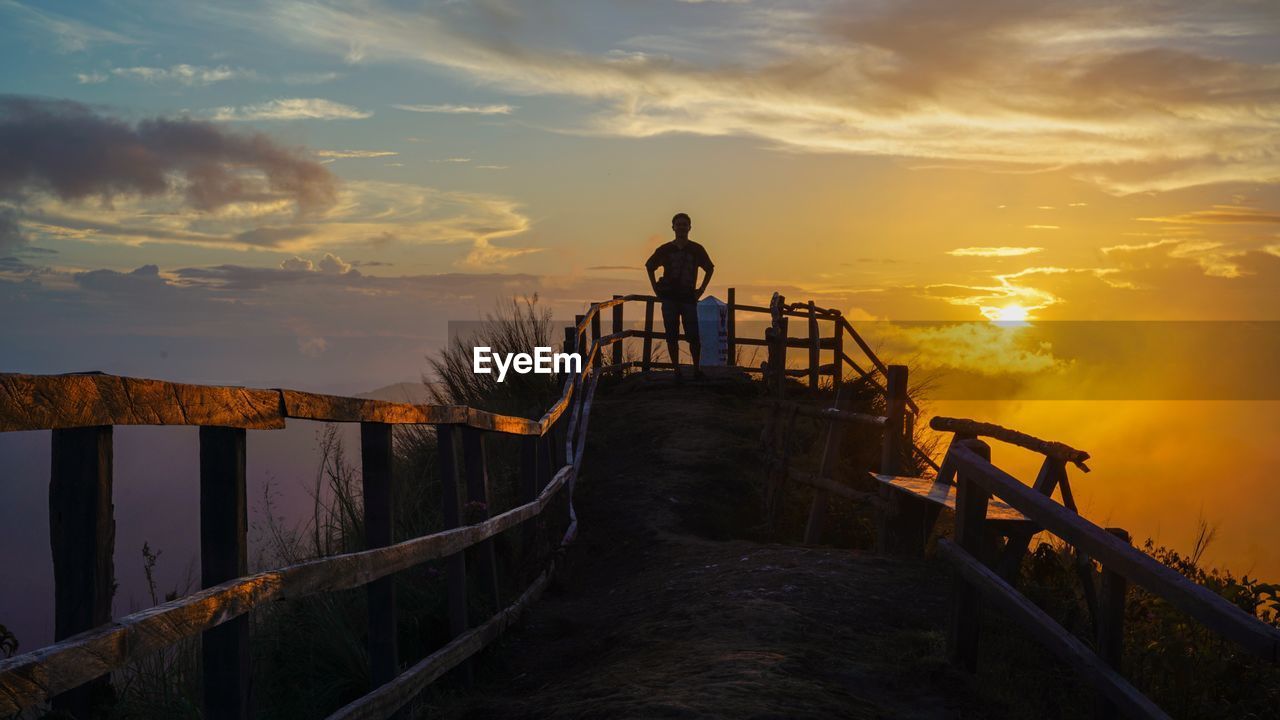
(827, 469)
(1110, 638)
(891, 455)
(617, 330)
(837, 354)
(31, 678)
(1049, 448)
(646, 356)
(53, 402)
(731, 329)
(971, 515)
(483, 558)
(1211, 609)
(224, 557)
(376, 462)
(389, 698)
(451, 510)
(1052, 635)
(815, 359)
(82, 533)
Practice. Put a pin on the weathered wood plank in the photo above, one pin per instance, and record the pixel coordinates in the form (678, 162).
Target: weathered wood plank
(31, 678)
(375, 468)
(82, 532)
(224, 556)
(1211, 609)
(1065, 645)
(51, 402)
(1050, 448)
(944, 494)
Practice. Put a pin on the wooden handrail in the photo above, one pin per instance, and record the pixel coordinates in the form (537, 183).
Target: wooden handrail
(28, 679)
(1048, 448)
(1048, 632)
(1211, 609)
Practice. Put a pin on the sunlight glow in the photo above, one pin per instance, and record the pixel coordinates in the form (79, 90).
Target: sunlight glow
(1014, 313)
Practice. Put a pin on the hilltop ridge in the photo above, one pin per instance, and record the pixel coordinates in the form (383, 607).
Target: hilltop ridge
(667, 608)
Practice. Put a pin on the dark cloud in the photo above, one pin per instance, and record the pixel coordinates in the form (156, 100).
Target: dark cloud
(10, 233)
(73, 152)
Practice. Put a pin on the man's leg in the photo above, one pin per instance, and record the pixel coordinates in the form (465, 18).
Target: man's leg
(671, 326)
(690, 316)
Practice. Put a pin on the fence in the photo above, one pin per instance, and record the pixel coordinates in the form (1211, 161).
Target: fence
(990, 542)
(82, 409)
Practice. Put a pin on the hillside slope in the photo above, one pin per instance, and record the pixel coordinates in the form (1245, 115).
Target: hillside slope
(663, 610)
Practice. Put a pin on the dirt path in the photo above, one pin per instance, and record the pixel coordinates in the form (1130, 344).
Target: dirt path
(659, 612)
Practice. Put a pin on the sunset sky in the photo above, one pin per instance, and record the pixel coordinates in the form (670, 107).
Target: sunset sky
(333, 181)
(303, 194)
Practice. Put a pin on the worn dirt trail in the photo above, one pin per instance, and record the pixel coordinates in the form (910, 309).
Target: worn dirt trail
(663, 609)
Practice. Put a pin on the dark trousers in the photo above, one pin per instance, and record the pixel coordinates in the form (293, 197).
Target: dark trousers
(675, 313)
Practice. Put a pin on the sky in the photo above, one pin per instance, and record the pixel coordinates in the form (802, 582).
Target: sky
(299, 194)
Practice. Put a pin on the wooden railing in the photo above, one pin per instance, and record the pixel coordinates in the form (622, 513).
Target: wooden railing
(988, 573)
(82, 410)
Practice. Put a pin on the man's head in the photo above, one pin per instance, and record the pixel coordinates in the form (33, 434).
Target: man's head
(681, 224)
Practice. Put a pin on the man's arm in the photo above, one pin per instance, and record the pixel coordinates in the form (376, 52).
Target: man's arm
(651, 266)
(707, 270)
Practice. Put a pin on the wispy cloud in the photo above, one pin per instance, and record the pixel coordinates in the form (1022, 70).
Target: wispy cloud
(459, 109)
(1221, 214)
(290, 109)
(1043, 227)
(189, 75)
(346, 154)
(69, 35)
(1131, 97)
(994, 251)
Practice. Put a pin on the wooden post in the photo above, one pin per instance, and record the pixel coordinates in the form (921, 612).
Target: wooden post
(815, 353)
(82, 533)
(1110, 640)
(646, 357)
(595, 327)
(971, 515)
(731, 330)
(455, 564)
(570, 346)
(895, 407)
(375, 463)
(780, 376)
(617, 328)
(836, 431)
(837, 356)
(528, 488)
(580, 343)
(483, 557)
(224, 556)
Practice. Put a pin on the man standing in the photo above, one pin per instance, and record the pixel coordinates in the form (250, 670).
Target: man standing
(680, 260)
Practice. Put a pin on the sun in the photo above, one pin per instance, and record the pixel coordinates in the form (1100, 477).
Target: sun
(1014, 313)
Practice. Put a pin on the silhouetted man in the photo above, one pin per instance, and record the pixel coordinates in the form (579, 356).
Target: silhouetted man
(680, 260)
